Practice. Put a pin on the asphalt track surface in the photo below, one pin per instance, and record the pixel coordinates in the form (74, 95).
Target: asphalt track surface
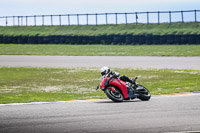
(143, 62)
(160, 114)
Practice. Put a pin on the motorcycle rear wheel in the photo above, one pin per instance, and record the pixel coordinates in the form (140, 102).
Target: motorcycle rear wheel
(144, 93)
(114, 96)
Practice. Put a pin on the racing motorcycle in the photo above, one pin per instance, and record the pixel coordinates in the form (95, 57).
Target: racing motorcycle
(118, 90)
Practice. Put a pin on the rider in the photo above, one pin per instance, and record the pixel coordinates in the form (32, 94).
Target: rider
(105, 70)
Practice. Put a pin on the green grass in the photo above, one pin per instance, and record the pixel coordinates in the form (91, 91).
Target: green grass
(155, 29)
(62, 84)
(101, 50)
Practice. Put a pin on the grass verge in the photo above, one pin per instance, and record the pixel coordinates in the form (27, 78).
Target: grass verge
(100, 50)
(91, 30)
(62, 84)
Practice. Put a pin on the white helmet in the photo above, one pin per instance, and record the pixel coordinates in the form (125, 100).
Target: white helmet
(104, 70)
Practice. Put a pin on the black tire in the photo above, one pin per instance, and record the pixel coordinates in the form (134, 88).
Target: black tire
(114, 96)
(144, 93)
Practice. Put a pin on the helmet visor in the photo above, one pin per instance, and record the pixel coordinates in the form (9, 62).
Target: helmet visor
(103, 73)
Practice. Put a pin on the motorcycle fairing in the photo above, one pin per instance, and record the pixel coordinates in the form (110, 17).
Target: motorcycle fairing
(121, 85)
(116, 82)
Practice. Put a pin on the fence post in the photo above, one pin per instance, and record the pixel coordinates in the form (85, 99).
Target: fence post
(170, 17)
(195, 15)
(87, 18)
(6, 21)
(126, 18)
(51, 20)
(42, 20)
(18, 20)
(116, 17)
(182, 16)
(34, 20)
(60, 20)
(96, 19)
(158, 17)
(147, 17)
(136, 17)
(26, 20)
(21, 20)
(77, 19)
(68, 19)
(13, 20)
(106, 19)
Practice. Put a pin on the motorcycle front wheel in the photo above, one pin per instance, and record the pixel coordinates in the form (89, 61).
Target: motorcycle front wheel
(114, 96)
(143, 92)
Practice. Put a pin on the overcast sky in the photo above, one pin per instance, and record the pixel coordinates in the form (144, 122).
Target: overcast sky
(39, 7)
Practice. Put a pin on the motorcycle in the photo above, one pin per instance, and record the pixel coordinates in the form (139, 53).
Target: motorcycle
(118, 90)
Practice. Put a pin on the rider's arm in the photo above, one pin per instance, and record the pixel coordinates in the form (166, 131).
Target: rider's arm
(115, 74)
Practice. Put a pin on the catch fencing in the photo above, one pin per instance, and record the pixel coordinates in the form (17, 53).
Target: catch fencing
(102, 18)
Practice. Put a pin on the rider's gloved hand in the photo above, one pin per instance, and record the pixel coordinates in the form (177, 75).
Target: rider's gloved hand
(115, 74)
(132, 80)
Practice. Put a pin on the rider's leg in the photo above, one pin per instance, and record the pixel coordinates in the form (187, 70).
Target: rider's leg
(130, 92)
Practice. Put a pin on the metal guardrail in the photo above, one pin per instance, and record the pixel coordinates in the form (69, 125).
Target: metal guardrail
(102, 18)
